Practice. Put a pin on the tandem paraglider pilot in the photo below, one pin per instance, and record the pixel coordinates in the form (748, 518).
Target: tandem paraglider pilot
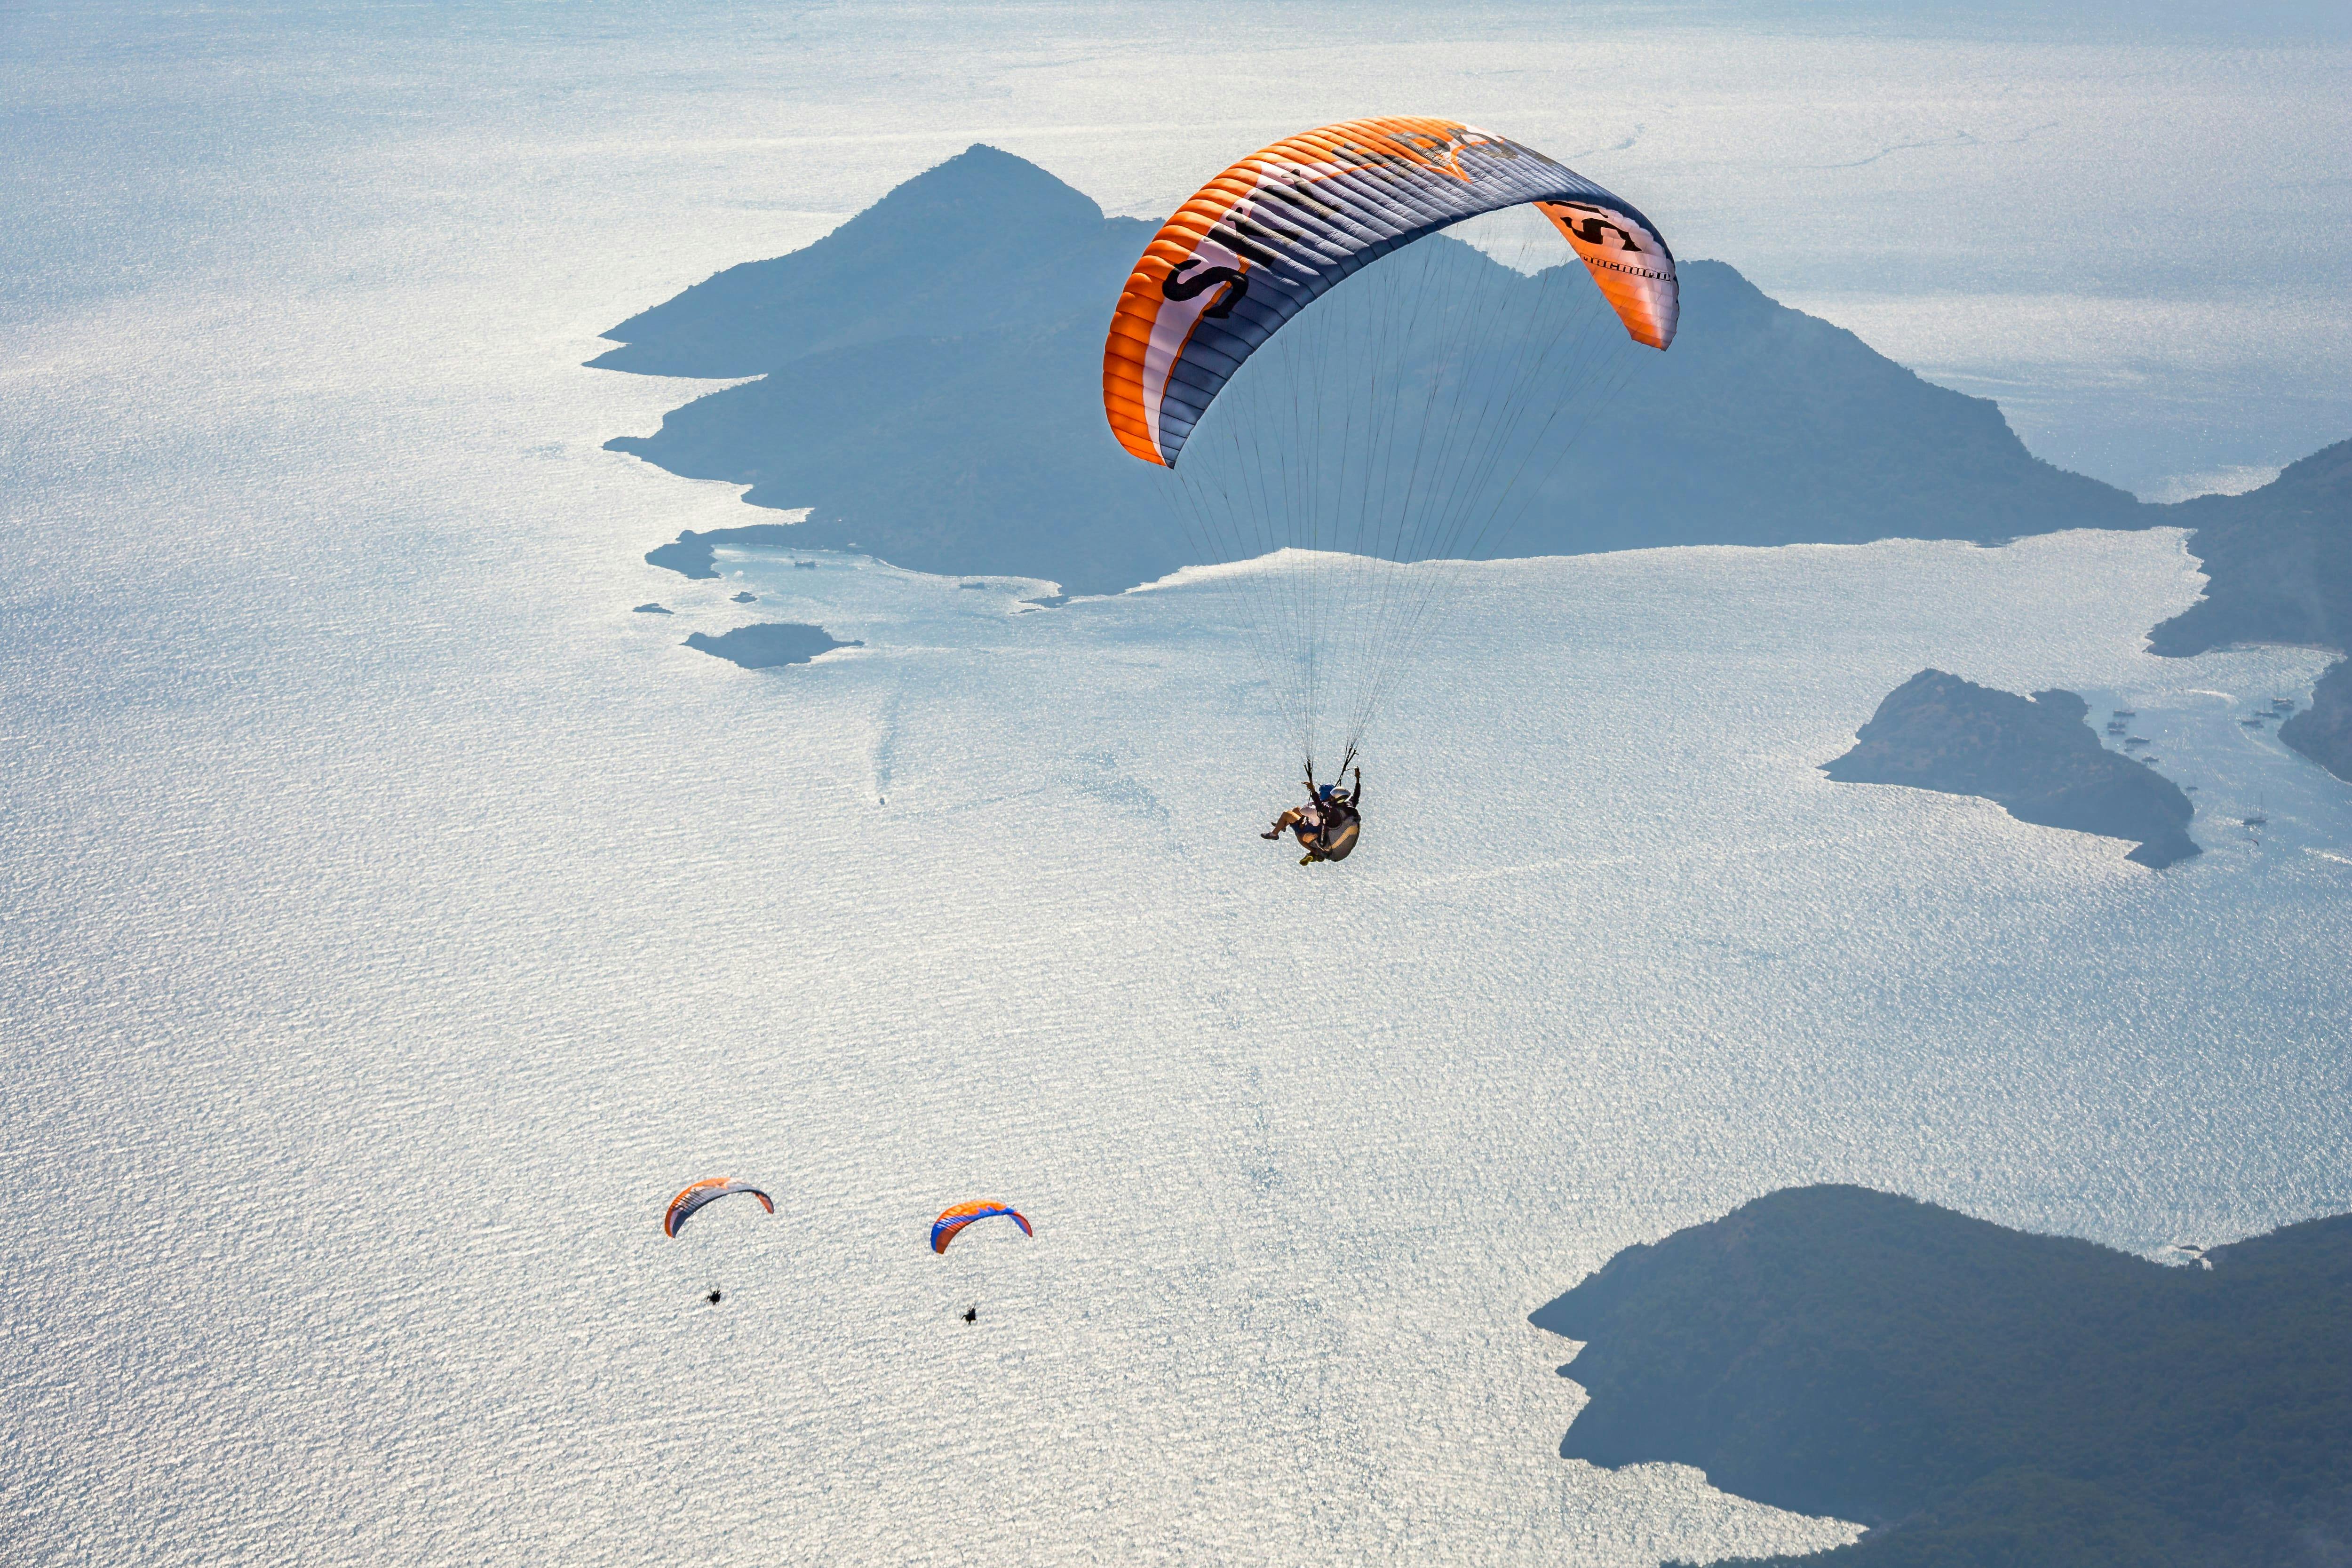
(1232, 269)
(1327, 825)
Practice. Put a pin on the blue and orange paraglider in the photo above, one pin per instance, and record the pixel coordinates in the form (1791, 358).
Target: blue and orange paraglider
(1344, 393)
(710, 1189)
(1273, 233)
(951, 1222)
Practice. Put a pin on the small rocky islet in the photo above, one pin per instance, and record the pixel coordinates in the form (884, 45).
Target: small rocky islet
(767, 644)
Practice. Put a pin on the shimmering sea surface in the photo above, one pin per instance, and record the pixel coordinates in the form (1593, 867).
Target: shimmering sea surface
(391, 919)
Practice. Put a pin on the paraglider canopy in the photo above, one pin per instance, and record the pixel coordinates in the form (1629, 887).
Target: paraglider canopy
(951, 1222)
(710, 1189)
(1349, 404)
(1270, 235)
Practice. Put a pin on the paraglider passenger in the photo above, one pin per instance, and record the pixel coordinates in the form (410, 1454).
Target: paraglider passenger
(1307, 820)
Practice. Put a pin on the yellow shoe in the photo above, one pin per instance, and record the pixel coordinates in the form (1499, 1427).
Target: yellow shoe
(1306, 859)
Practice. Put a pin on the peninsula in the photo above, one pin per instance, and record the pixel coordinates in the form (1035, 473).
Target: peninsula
(2036, 757)
(1978, 1395)
(692, 554)
(2278, 564)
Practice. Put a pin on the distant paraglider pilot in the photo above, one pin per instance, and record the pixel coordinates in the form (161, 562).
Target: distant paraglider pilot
(1327, 825)
(954, 1222)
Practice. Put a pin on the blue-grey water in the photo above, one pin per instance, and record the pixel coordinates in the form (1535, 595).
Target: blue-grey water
(393, 918)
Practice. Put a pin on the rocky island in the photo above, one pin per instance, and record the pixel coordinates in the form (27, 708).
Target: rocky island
(2278, 564)
(764, 645)
(1978, 1395)
(2035, 757)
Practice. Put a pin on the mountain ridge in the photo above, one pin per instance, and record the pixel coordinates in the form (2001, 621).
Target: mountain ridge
(935, 399)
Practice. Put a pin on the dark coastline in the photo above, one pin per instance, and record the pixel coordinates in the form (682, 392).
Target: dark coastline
(2278, 564)
(1977, 1394)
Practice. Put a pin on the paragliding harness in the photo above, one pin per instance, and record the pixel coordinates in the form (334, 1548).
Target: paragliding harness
(1341, 826)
